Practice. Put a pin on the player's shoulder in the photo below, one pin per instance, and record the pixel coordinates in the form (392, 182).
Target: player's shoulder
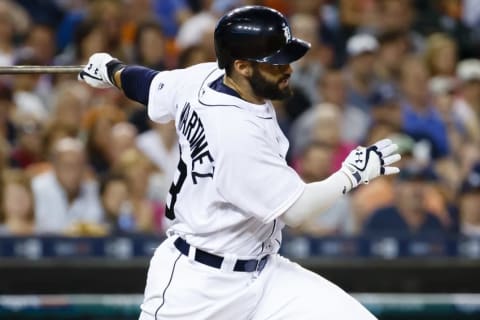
(203, 67)
(186, 77)
(198, 72)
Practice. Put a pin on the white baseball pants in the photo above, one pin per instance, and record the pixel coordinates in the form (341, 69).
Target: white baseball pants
(182, 289)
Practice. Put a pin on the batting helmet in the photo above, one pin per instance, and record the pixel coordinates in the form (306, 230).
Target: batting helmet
(256, 33)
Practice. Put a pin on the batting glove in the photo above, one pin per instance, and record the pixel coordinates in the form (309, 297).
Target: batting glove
(95, 72)
(364, 164)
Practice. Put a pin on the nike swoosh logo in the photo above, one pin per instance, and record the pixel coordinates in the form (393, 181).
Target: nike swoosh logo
(85, 74)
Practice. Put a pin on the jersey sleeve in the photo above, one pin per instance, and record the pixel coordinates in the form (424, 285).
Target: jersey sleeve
(250, 175)
(162, 95)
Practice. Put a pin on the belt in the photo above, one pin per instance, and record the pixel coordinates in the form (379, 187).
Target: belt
(215, 261)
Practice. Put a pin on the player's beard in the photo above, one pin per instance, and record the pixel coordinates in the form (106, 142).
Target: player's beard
(261, 87)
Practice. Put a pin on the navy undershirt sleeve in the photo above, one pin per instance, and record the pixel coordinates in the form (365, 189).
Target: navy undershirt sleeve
(136, 82)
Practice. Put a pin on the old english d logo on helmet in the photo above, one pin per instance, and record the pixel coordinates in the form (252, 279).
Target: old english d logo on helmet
(256, 33)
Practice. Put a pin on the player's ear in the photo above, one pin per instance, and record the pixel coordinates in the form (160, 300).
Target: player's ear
(243, 67)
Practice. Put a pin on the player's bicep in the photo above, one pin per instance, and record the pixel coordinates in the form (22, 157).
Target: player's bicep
(162, 95)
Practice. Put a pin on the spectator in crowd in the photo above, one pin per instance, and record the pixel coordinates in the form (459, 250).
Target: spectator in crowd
(470, 13)
(421, 119)
(7, 108)
(313, 165)
(442, 92)
(134, 15)
(399, 16)
(149, 46)
(361, 50)
(123, 136)
(24, 86)
(65, 199)
(54, 131)
(99, 122)
(8, 31)
(41, 40)
(387, 114)
(309, 69)
(70, 104)
(74, 13)
(407, 215)
(42, 11)
(391, 52)
(441, 54)
(192, 55)
(386, 107)
(333, 89)
(89, 38)
(467, 102)
(330, 31)
(148, 214)
(114, 193)
(16, 204)
(379, 193)
(108, 16)
(172, 13)
(359, 14)
(322, 125)
(459, 133)
(469, 202)
(311, 7)
(198, 30)
(450, 19)
(354, 122)
(29, 143)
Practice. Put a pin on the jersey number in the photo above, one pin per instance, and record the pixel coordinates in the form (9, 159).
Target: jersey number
(175, 189)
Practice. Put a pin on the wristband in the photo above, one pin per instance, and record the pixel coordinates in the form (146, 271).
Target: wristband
(112, 67)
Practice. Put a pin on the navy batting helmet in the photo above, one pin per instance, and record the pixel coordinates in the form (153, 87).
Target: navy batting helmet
(256, 33)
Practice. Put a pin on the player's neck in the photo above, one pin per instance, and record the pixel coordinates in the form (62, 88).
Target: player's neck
(242, 87)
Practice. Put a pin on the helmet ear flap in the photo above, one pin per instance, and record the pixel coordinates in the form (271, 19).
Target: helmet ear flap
(223, 60)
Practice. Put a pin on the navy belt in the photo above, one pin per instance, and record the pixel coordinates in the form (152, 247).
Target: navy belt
(215, 261)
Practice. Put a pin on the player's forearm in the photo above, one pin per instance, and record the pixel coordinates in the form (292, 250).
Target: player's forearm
(135, 81)
(317, 198)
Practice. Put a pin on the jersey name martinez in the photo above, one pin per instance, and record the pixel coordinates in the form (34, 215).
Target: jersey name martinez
(191, 127)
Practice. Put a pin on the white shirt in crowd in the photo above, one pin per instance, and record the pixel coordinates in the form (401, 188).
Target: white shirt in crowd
(53, 213)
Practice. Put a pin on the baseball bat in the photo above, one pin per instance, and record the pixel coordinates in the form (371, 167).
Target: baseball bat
(23, 69)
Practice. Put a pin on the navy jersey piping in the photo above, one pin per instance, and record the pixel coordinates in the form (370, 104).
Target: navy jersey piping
(221, 105)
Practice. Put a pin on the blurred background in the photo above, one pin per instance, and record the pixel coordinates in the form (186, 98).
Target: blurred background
(84, 173)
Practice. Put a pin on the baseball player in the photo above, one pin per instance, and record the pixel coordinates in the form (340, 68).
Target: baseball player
(233, 191)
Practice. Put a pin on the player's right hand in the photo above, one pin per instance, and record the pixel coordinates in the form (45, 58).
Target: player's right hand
(364, 164)
(95, 71)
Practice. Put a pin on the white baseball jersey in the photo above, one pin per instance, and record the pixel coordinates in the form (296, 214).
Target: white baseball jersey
(232, 182)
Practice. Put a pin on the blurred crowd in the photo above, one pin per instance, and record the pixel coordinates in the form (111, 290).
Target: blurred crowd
(81, 161)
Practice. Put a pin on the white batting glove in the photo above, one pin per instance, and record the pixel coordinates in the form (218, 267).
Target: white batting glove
(364, 164)
(95, 71)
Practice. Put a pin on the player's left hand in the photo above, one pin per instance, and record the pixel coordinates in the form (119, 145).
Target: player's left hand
(364, 164)
(95, 71)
